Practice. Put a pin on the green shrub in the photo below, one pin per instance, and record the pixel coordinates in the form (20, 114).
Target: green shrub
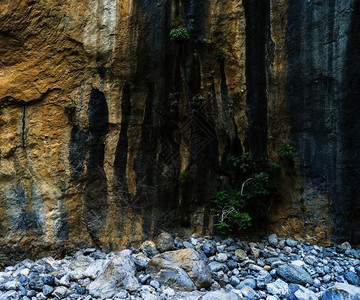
(70, 108)
(253, 187)
(286, 151)
(178, 31)
(245, 162)
(179, 34)
(219, 54)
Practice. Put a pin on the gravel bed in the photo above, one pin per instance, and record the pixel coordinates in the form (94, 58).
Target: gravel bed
(196, 268)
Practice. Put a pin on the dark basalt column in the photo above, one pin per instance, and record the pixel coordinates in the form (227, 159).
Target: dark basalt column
(96, 186)
(323, 105)
(257, 27)
(349, 194)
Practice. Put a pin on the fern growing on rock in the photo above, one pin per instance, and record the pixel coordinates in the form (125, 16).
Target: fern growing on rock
(178, 32)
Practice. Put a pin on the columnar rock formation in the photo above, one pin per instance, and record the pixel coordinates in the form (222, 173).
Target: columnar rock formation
(149, 108)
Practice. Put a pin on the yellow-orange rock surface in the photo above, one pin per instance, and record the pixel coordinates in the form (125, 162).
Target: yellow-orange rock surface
(107, 174)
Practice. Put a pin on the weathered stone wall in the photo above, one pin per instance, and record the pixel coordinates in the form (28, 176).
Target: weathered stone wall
(107, 175)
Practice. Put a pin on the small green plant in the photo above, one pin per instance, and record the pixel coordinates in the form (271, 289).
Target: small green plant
(184, 177)
(275, 167)
(178, 31)
(234, 160)
(196, 101)
(230, 102)
(219, 54)
(244, 162)
(70, 108)
(179, 34)
(286, 151)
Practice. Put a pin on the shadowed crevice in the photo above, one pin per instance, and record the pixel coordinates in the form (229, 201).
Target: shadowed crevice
(120, 163)
(257, 15)
(96, 183)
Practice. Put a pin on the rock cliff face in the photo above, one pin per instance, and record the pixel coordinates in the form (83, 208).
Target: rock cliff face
(149, 109)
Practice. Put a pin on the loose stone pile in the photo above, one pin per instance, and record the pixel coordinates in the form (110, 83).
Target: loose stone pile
(197, 268)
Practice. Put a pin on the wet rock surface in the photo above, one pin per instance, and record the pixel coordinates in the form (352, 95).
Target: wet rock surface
(296, 271)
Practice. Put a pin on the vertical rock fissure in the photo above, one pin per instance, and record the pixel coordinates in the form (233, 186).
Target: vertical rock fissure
(224, 95)
(120, 164)
(96, 186)
(23, 132)
(144, 165)
(122, 147)
(257, 26)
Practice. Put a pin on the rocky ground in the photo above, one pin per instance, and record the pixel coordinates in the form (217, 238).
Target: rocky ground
(197, 268)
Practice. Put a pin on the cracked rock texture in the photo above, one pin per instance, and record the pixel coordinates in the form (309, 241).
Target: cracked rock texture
(107, 174)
